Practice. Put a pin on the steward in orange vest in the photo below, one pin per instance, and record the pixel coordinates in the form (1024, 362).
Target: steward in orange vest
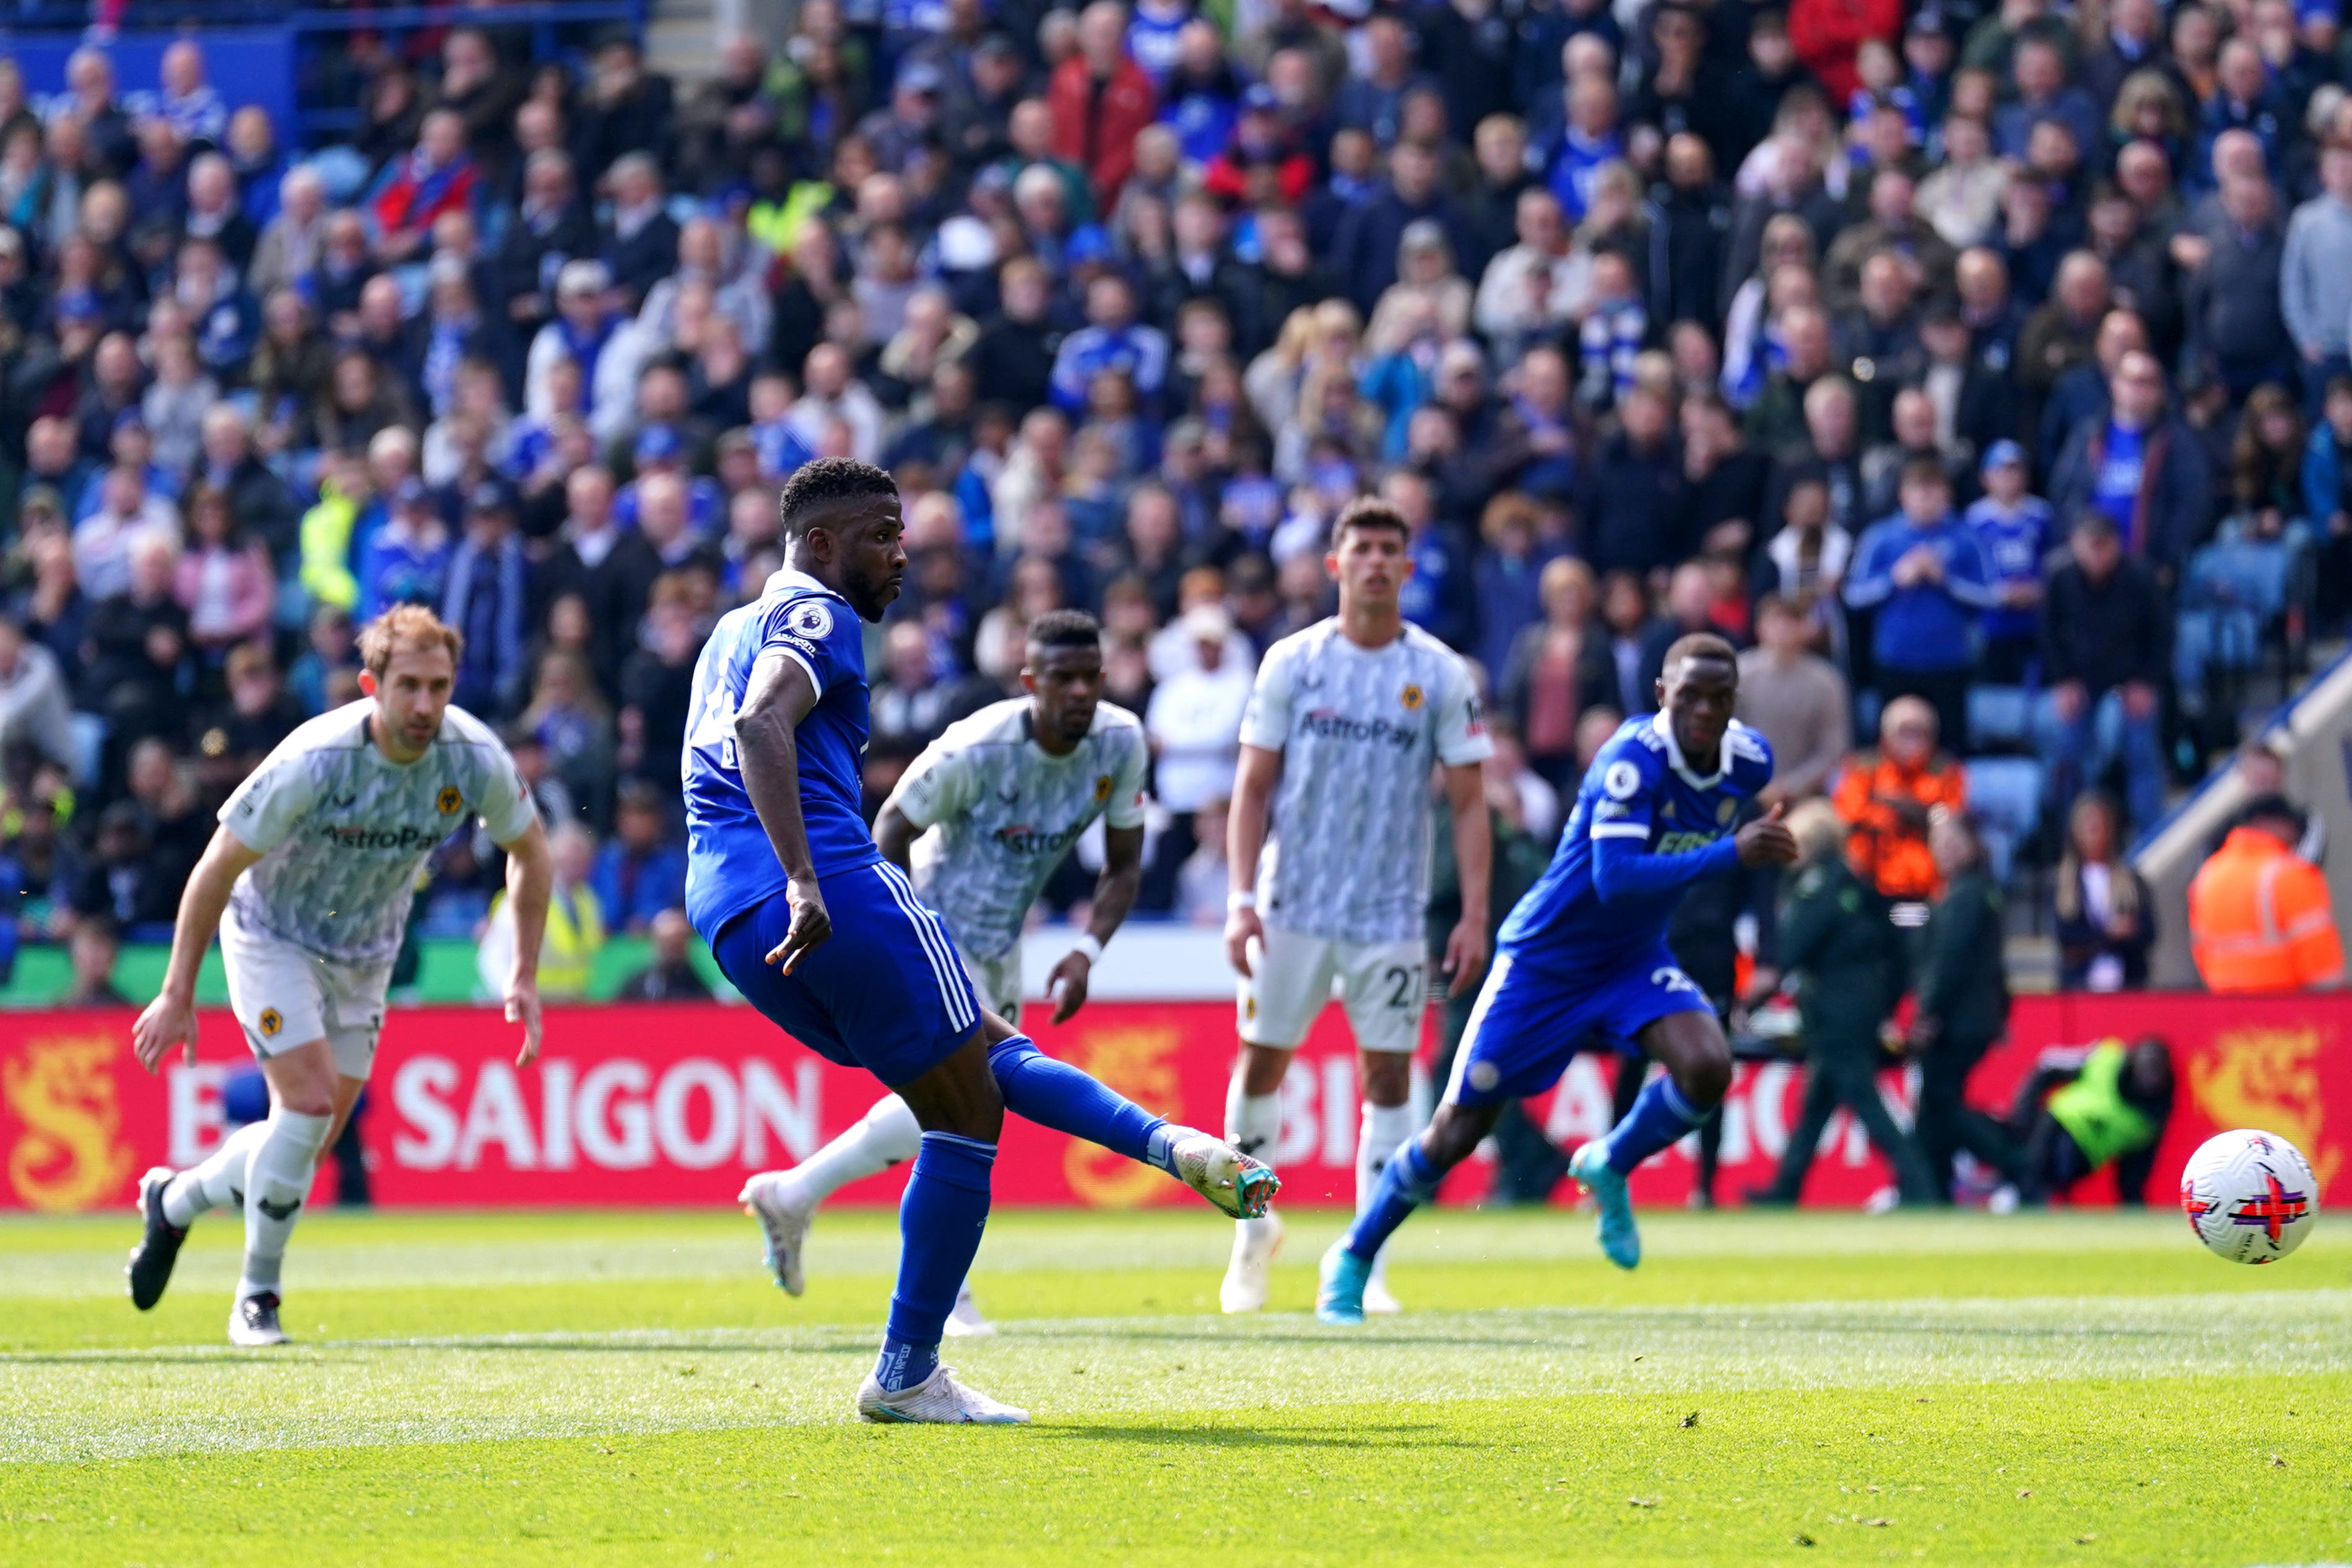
(2258, 915)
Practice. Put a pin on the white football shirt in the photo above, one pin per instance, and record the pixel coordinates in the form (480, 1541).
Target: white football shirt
(1000, 814)
(1347, 851)
(343, 831)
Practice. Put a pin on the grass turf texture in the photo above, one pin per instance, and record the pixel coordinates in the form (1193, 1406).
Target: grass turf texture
(628, 1388)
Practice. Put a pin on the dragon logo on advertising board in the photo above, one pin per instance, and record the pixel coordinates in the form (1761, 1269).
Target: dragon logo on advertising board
(2266, 1078)
(70, 1155)
(1136, 1062)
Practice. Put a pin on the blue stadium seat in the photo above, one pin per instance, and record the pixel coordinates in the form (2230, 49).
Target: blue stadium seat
(2000, 718)
(2005, 796)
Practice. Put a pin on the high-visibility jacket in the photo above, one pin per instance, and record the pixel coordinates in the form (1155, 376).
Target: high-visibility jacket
(2104, 1124)
(1887, 843)
(2259, 918)
(576, 935)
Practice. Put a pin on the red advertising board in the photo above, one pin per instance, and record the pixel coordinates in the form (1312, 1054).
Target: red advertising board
(652, 1104)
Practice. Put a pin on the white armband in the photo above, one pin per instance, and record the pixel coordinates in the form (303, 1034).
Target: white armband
(1239, 901)
(1088, 945)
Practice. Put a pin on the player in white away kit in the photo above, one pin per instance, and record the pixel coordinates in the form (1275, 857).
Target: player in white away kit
(308, 880)
(1346, 723)
(979, 821)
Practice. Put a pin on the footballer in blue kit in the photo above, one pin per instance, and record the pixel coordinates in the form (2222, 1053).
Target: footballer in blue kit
(830, 942)
(1583, 957)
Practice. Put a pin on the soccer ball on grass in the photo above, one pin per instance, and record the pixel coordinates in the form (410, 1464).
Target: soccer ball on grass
(2249, 1195)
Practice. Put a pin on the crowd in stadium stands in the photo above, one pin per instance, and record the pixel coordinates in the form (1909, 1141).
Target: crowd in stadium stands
(1981, 368)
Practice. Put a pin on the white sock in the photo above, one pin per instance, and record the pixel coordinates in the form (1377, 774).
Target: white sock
(1382, 1131)
(1253, 1122)
(218, 1181)
(883, 1137)
(277, 1182)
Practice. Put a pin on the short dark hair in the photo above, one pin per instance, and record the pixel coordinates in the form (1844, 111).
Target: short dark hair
(1368, 512)
(2270, 808)
(818, 485)
(1926, 468)
(1065, 629)
(2096, 524)
(1701, 645)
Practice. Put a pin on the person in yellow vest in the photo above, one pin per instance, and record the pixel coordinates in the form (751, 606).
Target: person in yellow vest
(2082, 1110)
(575, 921)
(2258, 913)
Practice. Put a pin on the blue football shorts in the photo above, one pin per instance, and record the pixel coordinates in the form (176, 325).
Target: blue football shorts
(885, 992)
(1527, 1023)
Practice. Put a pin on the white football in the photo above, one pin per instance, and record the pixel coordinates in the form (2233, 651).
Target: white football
(2249, 1195)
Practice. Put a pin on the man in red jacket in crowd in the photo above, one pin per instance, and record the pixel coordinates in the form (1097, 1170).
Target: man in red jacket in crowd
(1101, 100)
(1828, 34)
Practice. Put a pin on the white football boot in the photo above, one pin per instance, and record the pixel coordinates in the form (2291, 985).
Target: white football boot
(1247, 1276)
(1238, 1184)
(964, 1320)
(937, 1398)
(253, 1321)
(766, 1197)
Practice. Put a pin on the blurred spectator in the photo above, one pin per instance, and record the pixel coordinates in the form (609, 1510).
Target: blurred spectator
(574, 726)
(224, 579)
(575, 923)
(1837, 946)
(2259, 918)
(1797, 699)
(232, 737)
(1963, 992)
(93, 951)
(2016, 533)
(2081, 1110)
(2140, 465)
(331, 654)
(640, 873)
(2261, 771)
(2105, 633)
(120, 883)
(1923, 573)
(1194, 725)
(487, 599)
(1204, 876)
(670, 976)
(34, 711)
(1101, 99)
(1890, 797)
(2314, 283)
(2105, 914)
(1557, 668)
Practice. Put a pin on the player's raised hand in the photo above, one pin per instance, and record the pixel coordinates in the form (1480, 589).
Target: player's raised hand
(165, 1022)
(1242, 927)
(1068, 984)
(1465, 955)
(522, 1007)
(811, 923)
(1766, 840)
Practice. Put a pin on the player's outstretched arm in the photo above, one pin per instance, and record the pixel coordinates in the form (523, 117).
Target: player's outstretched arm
(1474, 853)
(530, 880)
(778, 697)
(1115, 891)
(171, 1019)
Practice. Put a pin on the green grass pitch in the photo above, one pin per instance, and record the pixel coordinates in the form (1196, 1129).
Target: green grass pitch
(581, 1390)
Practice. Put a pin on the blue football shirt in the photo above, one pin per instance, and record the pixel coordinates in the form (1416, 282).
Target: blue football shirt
(730, 865)
(1638, 788)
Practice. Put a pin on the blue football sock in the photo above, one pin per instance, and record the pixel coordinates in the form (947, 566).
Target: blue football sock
(940, 1222)
(1409, 1181)
(1659, 1116)
(1055, 1095)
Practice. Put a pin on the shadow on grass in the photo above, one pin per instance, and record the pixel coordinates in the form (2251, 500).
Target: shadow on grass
(1360, 1435)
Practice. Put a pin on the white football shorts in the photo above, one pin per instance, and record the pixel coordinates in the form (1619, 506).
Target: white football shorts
(1384, 985)
(284, 996)
(998, 981)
